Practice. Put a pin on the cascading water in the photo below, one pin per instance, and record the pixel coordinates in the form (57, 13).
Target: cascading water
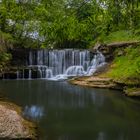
(61, 64)
(30, 73)
(17, 74)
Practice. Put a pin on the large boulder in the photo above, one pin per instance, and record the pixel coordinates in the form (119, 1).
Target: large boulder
(13, 125)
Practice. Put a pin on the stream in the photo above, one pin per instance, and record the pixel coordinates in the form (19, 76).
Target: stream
(68, 112)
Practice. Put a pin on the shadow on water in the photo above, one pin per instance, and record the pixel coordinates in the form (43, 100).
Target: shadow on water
(68, 112)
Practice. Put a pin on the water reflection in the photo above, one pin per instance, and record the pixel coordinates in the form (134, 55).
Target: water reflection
(101, 136)
(67, 112)
(33, 112)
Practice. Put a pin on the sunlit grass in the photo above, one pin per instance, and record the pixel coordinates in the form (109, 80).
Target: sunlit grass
(126, 66)
(120, 36)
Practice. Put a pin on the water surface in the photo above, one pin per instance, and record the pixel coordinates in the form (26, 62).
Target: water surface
(67, 112)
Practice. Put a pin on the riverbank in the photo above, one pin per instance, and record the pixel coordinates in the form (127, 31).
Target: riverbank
(13, 125)
(122, 70)
(100, 81)
(96, 82)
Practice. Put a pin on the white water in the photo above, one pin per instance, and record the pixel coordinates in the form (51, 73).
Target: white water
(30, 73)
(62, 64)
(17, 74)
(75, 71)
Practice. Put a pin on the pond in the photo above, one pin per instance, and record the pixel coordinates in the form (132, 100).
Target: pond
(68, 112)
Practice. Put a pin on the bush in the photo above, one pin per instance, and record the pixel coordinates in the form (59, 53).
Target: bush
(6, 43)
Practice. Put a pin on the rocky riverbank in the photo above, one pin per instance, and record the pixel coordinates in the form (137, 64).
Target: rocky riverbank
(96, 82)
(104, 82)
(13, 125)
(100, 79)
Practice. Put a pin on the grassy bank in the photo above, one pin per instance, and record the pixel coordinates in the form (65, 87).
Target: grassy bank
(126, 67)
(121, 36)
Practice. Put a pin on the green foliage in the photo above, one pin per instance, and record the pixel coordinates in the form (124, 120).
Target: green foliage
(57, 23)
(4, 58)
(6, 43)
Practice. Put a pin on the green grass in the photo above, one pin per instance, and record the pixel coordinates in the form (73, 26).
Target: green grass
(119, 36)
(127, 66)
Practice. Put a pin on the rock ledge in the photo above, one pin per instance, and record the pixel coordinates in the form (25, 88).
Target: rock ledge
(96, 82)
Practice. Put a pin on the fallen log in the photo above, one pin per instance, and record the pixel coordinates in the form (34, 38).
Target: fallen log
(123, 44)
(114, 45)
(108, 49)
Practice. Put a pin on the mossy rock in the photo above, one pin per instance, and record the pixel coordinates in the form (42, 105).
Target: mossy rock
(132, 92)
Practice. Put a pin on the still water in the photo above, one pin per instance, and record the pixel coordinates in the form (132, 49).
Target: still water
(67, 112)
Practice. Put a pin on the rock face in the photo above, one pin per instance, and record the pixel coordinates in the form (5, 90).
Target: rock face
(132, 92)
(108, 49)
(12, 124)
(19, 56)
(20, 73)
(96, 82)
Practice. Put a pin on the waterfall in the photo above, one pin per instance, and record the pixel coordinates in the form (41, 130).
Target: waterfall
(61, 64)
(30, 73)
(23, 73)
(75, 71)
(49, 73)
(17, 74)
(96, 62)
